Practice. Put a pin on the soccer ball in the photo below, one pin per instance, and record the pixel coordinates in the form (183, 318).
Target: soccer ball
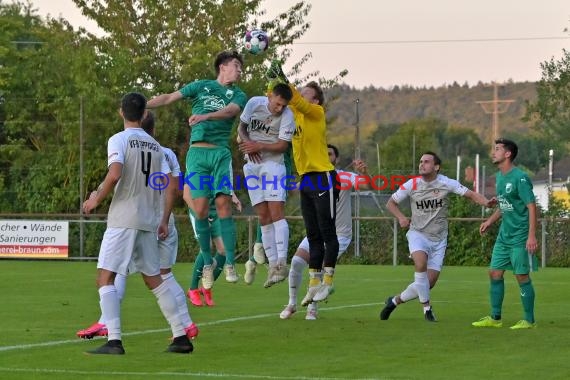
(256, 41)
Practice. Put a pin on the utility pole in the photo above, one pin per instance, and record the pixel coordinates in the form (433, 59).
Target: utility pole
(357, 198)
(495, 107)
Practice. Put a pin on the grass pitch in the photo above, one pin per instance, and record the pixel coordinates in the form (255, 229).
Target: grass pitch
(45, 303)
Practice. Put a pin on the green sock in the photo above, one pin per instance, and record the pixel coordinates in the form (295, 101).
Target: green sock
(228, 230)
(258, 233)
(221, 260)
(497, 293)
(197, 272)
(203, 232)
(527, 299)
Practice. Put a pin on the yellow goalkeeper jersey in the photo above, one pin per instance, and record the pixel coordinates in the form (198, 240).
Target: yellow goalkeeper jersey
(310, 151)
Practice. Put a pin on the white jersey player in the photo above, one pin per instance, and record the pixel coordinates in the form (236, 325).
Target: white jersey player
(134, 223)
(266, 129)
(427, 235)
(343, 224)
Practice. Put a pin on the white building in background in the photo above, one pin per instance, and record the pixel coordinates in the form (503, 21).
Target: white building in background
(560, 183)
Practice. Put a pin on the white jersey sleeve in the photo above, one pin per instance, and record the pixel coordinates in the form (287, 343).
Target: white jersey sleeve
(287, 127)
(172, 162)
(404, 191)
(453, 185)
(250, 106)
(116, 149)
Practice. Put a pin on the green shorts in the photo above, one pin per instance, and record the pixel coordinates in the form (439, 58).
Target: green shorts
(513, 257)
(208, 171)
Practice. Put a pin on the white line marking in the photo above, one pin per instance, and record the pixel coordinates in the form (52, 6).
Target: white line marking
(179, 374)
(144, 332)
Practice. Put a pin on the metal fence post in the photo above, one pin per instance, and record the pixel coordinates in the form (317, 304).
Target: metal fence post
(395, 244)
(249, 236)
(543, 242)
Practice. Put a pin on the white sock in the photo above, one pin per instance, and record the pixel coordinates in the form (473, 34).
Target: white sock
(169, 307)
(269, 245)
(111, 310)
(422, 286)
(410, 293)
(121, 287)
(178, 292)
(281, 240)
(295, 277)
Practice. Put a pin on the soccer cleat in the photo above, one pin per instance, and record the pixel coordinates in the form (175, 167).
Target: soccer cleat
(388, 309)
(231, 275)
(96, 329)
(310, 295)
(270, 276)
(250, 270)
(194, 295)
(280, 274)
(259, 253)
(523, 324)
(429, 315)
(288, 312)
(488, 322)
(312, 312)
(192, 331)
(208, 275)
(323, 293)
(181, 345)
(208, 296)
(112, 347)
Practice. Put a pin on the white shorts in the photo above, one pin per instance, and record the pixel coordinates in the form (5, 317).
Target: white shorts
(120, 246)
(435, 249)
(168, 248)
(343, 243)
(267, 182)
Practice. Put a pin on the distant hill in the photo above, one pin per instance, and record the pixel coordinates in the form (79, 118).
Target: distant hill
(454, 103)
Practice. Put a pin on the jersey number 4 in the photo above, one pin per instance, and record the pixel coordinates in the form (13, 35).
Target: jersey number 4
(145, 166)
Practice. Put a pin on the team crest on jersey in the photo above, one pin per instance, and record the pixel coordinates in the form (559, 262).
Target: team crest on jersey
(213, 103)
(436, 191)
(229, 93)
(509, 187)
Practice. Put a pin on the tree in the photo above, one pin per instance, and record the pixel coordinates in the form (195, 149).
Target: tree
(551, 111)
(45, 69)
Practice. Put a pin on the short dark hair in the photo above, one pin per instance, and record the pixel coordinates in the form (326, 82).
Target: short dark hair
(224, 57)
(133, 105)
(148, 123)
(510, 146)
(436, 159)
(334, 148)
(318, 91)
(283, 90)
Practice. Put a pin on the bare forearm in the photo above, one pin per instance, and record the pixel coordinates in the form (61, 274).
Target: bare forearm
(278, 147)
(159, 101)
(242, 131)
(531, 219)
(228, 112)
(494, 217)
(105, 188)
(392, 206)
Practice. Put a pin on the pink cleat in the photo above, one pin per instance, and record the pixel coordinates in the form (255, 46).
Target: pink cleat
(192, 331)
(96, 329)
(195, 297)
(208, 298)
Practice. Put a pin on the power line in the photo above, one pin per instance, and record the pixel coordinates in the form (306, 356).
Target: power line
(394, 42)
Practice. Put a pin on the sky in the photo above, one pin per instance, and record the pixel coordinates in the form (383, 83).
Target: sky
(416, 42)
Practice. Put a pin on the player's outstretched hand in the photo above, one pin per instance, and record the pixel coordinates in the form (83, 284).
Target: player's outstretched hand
(484, 227)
